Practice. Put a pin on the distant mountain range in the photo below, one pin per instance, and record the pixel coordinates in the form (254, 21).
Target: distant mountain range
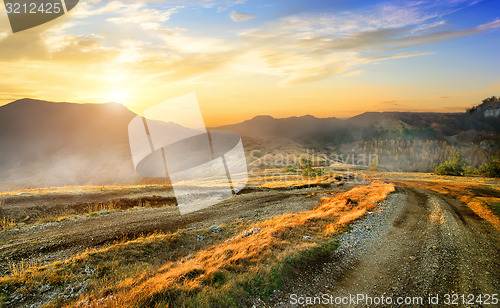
(52, 144)
(460, 127)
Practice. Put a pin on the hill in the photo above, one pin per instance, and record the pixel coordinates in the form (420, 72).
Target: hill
(464, 127)
(54, 144)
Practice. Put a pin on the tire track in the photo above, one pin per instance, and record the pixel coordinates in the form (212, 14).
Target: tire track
(422, 243)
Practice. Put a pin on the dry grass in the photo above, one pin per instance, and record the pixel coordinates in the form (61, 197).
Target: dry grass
(55, 218)
(82, 189)
(431, 177)
(7, 223)
(64, 214)
(97, 271)
(276, 179)
(18, 269)
(267, 242)
(484, 212)
(467, 193)
(491, 202)
(93, 207)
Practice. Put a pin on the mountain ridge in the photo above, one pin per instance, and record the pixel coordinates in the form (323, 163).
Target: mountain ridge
(59, 144)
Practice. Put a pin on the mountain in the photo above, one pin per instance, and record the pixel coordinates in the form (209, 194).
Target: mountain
(60, 144)
(293, 127)
(464, 127)
(489, 108)
(53, 144)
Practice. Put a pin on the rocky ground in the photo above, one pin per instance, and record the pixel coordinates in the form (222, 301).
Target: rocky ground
(418, 243)
(48, 242)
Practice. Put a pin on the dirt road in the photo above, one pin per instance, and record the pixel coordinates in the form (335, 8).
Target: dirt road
(419, 243)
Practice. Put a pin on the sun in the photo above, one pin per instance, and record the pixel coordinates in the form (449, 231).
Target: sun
(119, 97)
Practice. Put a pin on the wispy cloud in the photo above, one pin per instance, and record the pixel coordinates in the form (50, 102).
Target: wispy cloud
(148, 19)
(306, 48)
(239, 17)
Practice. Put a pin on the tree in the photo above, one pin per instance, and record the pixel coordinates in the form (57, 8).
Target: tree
(455, 166)
(490, 169)
(485, 103)
(374, 164)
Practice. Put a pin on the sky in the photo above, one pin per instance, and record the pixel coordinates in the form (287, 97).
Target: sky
(327, 58)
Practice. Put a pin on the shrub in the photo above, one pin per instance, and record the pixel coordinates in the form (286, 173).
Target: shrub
(311, 172)
(289, 169)
(455, 166)
(490, 169)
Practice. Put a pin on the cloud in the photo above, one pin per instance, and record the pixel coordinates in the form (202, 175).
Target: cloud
(135, 46)
(312, 47)
(386, 104)
(224, 5)
(239, 17)
(147, 19)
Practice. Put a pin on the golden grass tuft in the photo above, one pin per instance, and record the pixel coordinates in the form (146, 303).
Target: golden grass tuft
(18, 269)
(7, 223)
(482, 211)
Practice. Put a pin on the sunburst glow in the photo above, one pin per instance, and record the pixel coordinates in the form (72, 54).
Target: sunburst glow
(120, 97)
